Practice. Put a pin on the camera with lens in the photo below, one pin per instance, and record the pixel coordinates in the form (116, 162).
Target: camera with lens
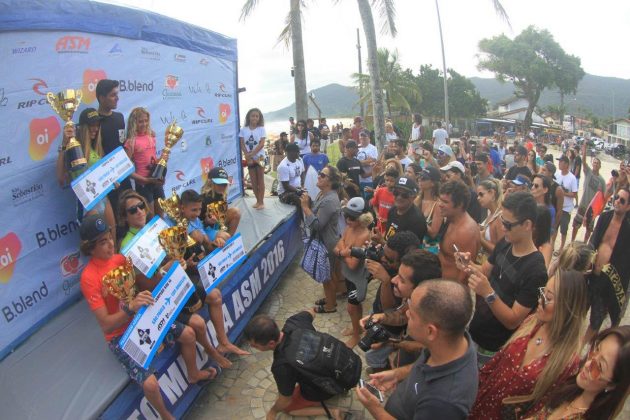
(372, 252)
(374, 333)
(299, 192)
(473, 168)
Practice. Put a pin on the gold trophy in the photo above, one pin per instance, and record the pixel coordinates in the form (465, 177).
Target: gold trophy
(65, 103)
(174, 240)
(121, 282)
(170, 206)
(218, 210)
(172, 136)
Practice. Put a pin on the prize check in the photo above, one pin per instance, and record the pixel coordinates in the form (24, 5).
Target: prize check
(150, 325)
(220, 262)
(145, 249)
(94, 184)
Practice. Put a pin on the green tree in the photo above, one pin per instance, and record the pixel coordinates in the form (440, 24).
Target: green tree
(533, 61)
(399, 88)
(291, 34)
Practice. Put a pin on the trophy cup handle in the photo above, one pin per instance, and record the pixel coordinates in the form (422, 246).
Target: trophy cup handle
(52, 100)
(78, 94)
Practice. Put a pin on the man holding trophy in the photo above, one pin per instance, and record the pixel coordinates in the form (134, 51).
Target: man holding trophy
(107, 283)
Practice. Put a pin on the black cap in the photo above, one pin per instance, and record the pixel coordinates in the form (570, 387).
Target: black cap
(92, 228)
(89, 116)
(407, 184)
(431, 173)
(218, 176)
(284, 133)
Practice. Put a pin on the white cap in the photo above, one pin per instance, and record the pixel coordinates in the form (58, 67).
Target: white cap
(454, 165)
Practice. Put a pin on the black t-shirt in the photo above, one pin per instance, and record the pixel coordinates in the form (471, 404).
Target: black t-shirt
(514, 279)
(112, 131)
(285, 375)
(474, 208)
(413, 220)
(515, 170)
(350, 167)
(377, 305)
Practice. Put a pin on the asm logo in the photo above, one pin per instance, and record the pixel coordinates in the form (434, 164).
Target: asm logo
(201, 112)
(181, 176)
(38, 86)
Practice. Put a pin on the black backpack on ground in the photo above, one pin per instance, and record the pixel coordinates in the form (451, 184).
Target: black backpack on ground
(326, 366)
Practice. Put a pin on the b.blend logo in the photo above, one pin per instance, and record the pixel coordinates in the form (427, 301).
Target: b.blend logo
(57, 232)
(204, 119)
(171, 87)
(73, 45)
(10, 247)
(26, 194)
(90, 80)
(135, 86)
(224, 112)
(43, 133)
(40, 87)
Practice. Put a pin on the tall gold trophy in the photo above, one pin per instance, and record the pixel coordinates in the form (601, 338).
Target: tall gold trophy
(170, 206)
(65, 103)
(218, 210)
(120, 282)
(172, 136)
(174, 240)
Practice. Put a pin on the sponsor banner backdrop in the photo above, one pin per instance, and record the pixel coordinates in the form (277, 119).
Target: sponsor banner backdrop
(39, 260)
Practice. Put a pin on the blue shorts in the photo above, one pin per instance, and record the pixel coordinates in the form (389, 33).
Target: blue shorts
(134, 370)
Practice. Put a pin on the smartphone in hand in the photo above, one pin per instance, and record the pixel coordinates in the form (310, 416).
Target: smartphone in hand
(373, 390)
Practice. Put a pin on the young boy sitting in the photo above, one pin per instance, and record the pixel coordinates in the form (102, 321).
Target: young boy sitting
(113, 316)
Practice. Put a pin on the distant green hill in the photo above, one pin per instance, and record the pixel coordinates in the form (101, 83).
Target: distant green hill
(595, 94)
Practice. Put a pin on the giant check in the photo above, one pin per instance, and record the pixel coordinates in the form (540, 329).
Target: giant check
(98, 180)
(220, 262)
(145, 249)
(150, 325)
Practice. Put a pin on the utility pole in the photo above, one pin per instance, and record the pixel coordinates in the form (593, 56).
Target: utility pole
(446, 116)
(360, 72)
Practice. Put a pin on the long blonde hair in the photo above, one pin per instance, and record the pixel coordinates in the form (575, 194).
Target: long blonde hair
(208, 190)
(84, 139)
(565, 332)
(132, 122)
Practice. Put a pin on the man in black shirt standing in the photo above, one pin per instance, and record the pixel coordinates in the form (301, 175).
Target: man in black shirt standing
(112, 127)
(349, 164)
(507, 284)
(520, 168)
(404, 215)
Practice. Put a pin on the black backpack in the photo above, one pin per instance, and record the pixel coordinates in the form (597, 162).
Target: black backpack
(325, 364)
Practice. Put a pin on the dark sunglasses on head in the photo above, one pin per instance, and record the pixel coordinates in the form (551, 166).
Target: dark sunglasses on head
(621, 199)
(509, 225)
(401, 194)
(134, 209)
(322, 174)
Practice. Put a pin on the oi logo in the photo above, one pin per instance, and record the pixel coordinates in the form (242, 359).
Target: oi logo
(224, 112)
(90, 79)
(206, 165)
(10, 247)
(44, 132)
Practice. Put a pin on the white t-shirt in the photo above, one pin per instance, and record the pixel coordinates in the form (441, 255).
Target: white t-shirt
(415, 132)
(405, 161)
(290, 171)
(304, 144)
(568, 183)
(440, 135)
(365, 153)
(252, 139)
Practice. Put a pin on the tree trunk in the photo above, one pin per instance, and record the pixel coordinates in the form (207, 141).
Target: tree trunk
(533, 101)
(299, 78)
(365, 11)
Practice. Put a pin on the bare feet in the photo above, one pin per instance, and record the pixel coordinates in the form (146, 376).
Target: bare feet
(256, 206)
(203, 375)
(259, 206)
(346, 332)
(231, 348)
(221, 360)
(354, 340)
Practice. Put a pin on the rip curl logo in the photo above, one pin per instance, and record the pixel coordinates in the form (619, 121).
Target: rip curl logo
(222, 87)
(90, 80)
(180, 175)
(224, 112)
(10, 247)
(43, 132)
(201, 112)
(39, 85)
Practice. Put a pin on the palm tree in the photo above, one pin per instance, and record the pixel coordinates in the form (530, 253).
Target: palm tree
(291, 34)
(398, 87)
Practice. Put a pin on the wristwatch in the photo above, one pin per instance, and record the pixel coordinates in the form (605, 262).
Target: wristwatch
(491, 298)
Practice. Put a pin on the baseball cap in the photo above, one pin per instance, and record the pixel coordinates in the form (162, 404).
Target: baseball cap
(292, 147)
(355, 207)
(563, 158)
(89, 116)
(218, 176)
(521, 180)
(454, 165)
(446, 149)
(431, 173)
(284, 133)
(407, 184)
(93, 227)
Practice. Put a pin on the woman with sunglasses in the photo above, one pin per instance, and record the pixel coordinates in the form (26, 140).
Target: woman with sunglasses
(490, 198)
(540, 354)
(599, 390)
(428, 202)
(322, 219)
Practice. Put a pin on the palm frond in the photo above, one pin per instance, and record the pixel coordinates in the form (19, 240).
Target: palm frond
(247, 9)
(285, 35)
(387, 12)
(500, 10)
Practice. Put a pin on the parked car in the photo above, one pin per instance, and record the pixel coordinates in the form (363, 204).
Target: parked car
(598, 143)
(619, 151)
(609, 146)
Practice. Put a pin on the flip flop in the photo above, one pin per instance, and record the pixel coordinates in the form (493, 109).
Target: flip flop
(321, 309)
(320, 302)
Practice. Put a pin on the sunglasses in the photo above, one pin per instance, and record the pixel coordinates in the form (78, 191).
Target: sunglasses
(594, 367)
(322, 174)
(401, 194)
(621, 199)
(134, 209)
(509, 225)
(542, 297)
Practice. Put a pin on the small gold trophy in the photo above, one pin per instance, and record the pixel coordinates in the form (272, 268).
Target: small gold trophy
(218, 210)
(121, 282)
(170, 206)
(172, 136)
(174, 240)
(65, 103)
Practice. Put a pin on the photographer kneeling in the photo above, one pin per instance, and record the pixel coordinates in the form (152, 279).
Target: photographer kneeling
(415, 266)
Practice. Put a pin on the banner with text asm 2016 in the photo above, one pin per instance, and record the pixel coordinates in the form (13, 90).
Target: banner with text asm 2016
(39, 259)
